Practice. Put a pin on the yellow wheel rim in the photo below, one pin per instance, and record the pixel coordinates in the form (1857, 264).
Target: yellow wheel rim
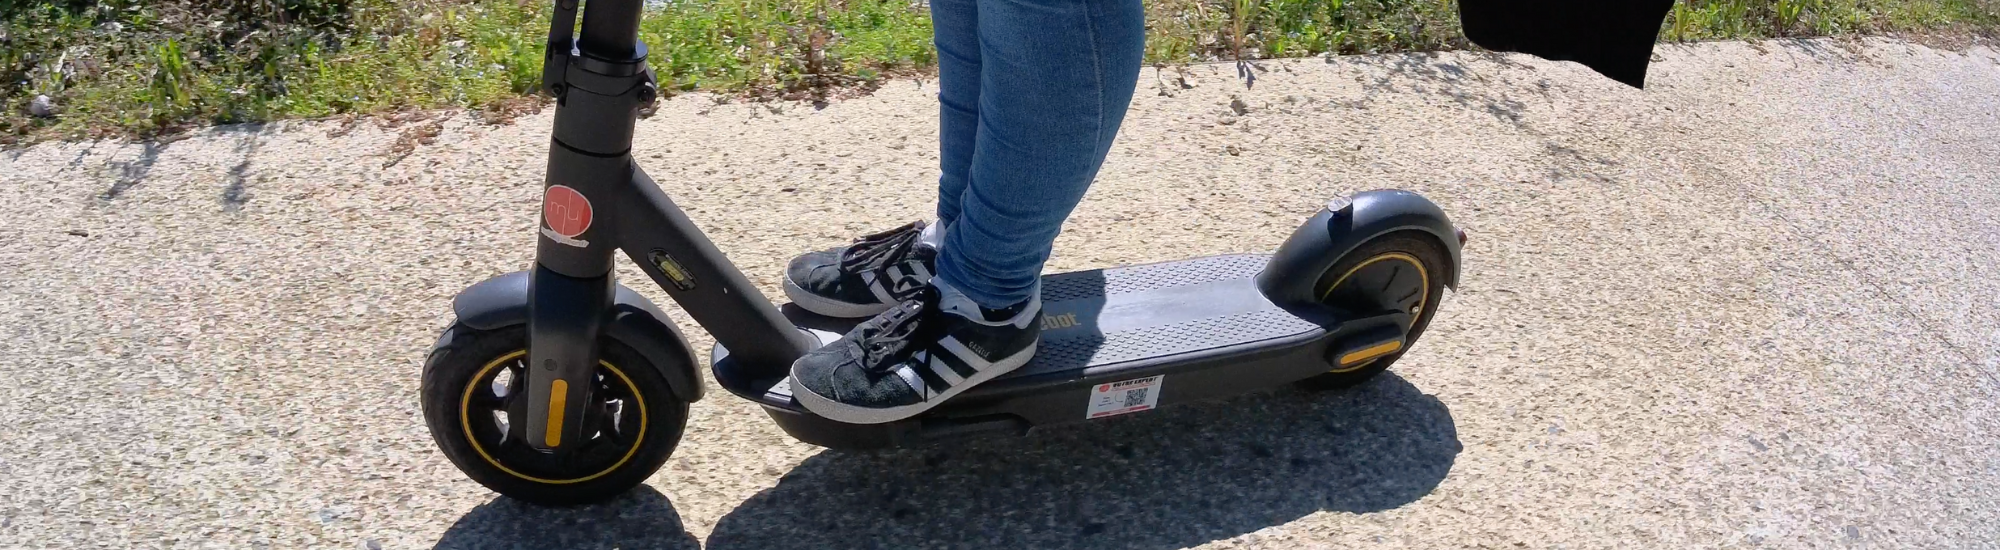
(1423, 293)
(465, 422)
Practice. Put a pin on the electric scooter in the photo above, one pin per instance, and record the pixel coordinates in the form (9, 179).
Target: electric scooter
(556, 385)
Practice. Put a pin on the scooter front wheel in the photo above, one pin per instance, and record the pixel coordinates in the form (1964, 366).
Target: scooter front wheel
(1401, 271)
(473, 389)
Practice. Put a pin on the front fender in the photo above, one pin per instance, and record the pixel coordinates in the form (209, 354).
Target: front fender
(1343, 226)
(502, 302)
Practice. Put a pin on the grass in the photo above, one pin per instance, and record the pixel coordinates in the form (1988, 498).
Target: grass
(140, 67)
(1718, 19)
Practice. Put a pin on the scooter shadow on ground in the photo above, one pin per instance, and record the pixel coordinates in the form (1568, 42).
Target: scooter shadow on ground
(641, 518)
(1171, 478)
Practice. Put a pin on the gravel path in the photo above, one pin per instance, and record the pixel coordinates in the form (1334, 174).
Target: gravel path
(1755, 304)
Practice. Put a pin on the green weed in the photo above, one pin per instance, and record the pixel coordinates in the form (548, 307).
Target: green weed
(1727, 19)
(123, 67)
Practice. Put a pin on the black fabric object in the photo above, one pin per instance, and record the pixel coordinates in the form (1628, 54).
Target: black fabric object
(1613, 37)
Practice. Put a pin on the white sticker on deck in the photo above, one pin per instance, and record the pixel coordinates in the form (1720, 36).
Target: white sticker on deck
(1127, 396)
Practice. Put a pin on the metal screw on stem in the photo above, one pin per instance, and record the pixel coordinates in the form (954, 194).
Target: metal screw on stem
(648, 94)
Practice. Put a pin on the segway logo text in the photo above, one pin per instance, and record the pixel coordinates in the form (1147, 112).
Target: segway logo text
(1052, 322)
(565, 214)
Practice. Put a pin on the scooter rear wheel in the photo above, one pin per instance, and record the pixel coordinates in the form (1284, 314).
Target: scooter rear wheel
(473, 387)
(1403, 271)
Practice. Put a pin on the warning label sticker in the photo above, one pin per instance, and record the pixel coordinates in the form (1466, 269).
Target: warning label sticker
(1129, 396)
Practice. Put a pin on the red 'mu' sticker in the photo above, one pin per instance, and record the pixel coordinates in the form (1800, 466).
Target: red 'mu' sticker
(566, 211)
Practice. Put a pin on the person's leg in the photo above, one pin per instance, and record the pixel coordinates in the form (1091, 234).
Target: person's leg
(1055, 79)
(955, 30)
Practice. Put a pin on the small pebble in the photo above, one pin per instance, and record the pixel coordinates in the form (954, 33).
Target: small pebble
(42, 106)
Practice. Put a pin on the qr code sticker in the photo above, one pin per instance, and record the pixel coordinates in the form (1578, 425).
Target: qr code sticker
(1125, 396)
(1137, 397)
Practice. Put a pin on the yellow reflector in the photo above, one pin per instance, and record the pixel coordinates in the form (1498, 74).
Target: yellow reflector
(672, 269)
(558, 400)
(1371, 352)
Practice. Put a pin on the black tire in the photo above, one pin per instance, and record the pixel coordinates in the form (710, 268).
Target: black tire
(1400, 249)
(617, 459)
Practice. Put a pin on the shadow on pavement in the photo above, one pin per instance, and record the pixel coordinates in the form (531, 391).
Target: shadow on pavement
(133, 172)
(1170, 479)
(641, 518)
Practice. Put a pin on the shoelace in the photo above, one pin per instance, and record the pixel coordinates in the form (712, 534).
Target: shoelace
(888, 336)
(873, 252)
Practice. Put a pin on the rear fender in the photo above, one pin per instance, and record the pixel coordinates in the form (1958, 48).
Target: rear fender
(1343, 226)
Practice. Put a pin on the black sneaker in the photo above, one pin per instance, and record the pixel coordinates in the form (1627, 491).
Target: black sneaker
(914, 356)
(865, 278)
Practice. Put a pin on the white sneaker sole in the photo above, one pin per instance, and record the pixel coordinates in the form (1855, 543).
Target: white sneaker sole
(836, 411)
(828, 306)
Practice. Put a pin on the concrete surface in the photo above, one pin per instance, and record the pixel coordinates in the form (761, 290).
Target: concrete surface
(1757, 304)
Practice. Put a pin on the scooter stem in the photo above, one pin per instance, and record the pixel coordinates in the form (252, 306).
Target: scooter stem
(596, 202)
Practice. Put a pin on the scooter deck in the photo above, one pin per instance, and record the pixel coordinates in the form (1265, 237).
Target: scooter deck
(1100, 319)
(1201, 325)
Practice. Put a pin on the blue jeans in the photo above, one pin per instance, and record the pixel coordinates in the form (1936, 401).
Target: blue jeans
(1032, 92)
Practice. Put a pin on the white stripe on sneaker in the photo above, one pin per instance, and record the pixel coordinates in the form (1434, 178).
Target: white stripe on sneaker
(916, 382)
(951, 377)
